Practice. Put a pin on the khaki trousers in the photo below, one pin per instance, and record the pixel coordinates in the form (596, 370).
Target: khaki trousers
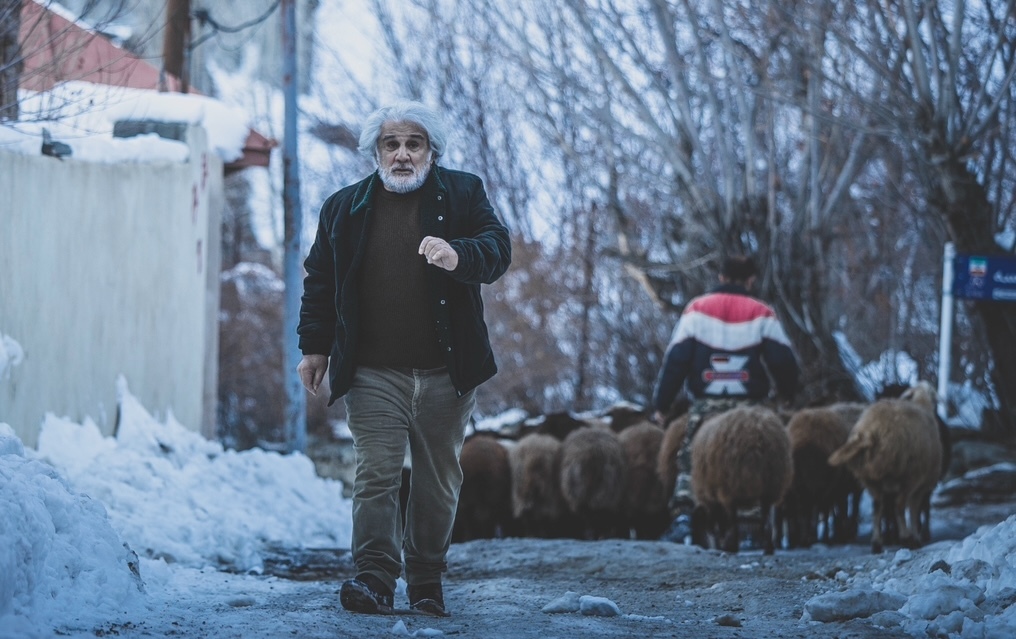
(389, 412)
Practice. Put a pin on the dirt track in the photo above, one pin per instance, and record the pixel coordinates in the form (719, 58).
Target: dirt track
(498, 588)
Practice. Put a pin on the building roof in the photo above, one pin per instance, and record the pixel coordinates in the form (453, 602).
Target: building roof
(56, 49)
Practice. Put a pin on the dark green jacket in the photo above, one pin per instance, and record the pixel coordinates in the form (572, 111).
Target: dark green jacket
(453, 206)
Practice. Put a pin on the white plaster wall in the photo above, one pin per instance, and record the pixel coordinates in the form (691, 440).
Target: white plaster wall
(110, 269)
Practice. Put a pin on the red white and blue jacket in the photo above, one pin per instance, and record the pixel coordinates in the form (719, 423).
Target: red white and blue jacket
(721, 347)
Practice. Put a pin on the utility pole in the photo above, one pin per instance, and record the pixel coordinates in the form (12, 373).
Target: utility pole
(296, 399)
(176, 42)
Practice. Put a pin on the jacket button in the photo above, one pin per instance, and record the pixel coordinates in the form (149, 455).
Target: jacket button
(440, 218)
(442, 301)
(439, 197)
(449, 348)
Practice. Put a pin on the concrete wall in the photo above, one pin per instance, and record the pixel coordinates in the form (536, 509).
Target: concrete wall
(110, 269)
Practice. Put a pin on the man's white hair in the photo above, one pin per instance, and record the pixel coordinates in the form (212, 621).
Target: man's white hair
(404, 111)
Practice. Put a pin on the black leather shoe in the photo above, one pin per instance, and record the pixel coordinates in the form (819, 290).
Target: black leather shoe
(427, 598)
(367, 594)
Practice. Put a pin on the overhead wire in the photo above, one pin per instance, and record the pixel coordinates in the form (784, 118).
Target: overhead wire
(204, 16)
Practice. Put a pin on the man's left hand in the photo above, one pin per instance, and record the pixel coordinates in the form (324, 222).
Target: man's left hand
(439, 253)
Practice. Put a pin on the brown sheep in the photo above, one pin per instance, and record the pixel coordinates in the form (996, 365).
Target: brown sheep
(895, 452)
(537, 504)
(819, 493)
(891, 534)
(666, 460)
(645, 501)
(740, 459)
(847, 511)
(592, 475)
(484, 508)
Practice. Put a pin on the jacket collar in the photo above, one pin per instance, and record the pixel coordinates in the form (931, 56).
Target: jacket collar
(365, 189)
(735, 289)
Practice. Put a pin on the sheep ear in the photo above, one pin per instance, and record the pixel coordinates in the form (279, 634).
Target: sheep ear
(856, 445)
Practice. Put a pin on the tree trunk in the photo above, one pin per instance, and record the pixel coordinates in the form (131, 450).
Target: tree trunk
(583, 394)
(176, 41)
(799, 298)
(11, 62)
(965, 206)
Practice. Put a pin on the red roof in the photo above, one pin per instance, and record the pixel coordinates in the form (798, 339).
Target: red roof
(57, 50)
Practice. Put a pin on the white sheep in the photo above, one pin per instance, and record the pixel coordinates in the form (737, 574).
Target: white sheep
(895, 452)
(740, 459)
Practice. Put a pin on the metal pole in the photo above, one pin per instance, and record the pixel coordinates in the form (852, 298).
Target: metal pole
(945, 328)
(296, 400)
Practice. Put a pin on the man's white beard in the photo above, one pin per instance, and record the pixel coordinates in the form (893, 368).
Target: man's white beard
(403, 183)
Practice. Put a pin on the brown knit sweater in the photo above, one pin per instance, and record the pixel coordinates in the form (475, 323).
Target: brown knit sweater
(396, 322)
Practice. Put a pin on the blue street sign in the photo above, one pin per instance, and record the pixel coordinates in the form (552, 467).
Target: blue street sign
(979, 277)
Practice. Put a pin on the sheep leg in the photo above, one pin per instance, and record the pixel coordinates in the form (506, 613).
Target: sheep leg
(702, 526)
(768, 541)
(912, 538)
(726, 523)
(876, 523)
(840, 519)
(926, 518)
(890, 521)
(854, 516)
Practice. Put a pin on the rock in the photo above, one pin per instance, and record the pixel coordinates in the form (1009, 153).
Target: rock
(851, 604)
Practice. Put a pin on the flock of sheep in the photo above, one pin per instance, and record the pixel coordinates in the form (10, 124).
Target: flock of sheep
(802, 473)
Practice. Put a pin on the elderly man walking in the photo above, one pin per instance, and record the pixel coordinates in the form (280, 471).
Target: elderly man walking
(392, 311)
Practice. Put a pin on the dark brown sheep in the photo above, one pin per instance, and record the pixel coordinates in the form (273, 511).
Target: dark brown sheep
(740, 460)
(537, 504)
(621, 416)
(485, 507)
(819, 493)
(558, 425)
(592, 475)
(645, 501)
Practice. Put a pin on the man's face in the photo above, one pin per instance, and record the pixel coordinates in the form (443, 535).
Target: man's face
(403, 156)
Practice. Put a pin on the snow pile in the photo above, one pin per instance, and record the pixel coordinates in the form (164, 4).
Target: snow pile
(176, 496)
(964, 590)
(57, 550)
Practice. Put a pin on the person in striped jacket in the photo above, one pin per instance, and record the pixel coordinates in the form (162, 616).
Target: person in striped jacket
(727, 348)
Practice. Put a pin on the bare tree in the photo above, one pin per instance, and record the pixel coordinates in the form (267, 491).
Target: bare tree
(11, 62)
(946, 87)
(694, 104)
(793, 130)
